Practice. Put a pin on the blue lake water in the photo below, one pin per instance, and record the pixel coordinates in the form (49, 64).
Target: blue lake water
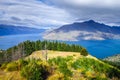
(100, 49)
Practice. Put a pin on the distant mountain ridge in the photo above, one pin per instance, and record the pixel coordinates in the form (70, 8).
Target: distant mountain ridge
(88, 30)
(113, 60)
(13, 30)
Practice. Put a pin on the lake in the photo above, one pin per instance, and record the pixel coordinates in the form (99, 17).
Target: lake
(100, 49)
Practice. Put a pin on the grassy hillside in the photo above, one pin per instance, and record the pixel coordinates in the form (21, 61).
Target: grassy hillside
(60, 65)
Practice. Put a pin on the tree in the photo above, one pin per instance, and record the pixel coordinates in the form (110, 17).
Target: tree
(84, 52)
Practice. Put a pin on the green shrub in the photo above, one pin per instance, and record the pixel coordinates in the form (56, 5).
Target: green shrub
(89, 64)
(12, 66)
(61, 64)
(22, 63)
(64, 69)
(68, 58)
(113, 73)
(98, 78)
(57, 76)
(84, 52)
(33, 71)
(4, 65)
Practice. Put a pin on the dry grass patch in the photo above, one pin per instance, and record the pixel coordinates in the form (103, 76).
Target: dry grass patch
(52, 54)
(15, 75)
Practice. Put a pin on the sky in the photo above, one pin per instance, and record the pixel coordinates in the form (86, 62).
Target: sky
(50, 14)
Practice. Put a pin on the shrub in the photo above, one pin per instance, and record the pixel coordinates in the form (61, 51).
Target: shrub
(113, 73)
(63, 68)
(33, 71)
(4, 65)
(12, 66)
(61, 65)
(84, 52)
(57, 76)
(68, 58)
(22, 63)
(98, 78)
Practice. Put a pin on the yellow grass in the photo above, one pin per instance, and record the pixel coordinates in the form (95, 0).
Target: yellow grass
(52, 54)
(14, 75)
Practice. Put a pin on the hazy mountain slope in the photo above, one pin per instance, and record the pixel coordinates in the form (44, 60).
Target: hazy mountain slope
(88, 30)
(113, 60)
(10, 30)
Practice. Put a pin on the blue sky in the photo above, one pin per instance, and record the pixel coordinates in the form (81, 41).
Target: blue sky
(54, 13)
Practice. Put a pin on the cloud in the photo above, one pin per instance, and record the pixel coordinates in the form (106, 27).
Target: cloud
(106, 11)
(15, 19)
(54, 13)
(88, 3)
(31, 13)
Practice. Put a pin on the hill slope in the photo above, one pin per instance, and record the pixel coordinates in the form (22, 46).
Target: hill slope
(63, 66)
(10, 30)
(88, 30)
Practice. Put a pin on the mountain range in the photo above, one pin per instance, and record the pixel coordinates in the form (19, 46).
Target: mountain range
(13, 30)
(88, 30)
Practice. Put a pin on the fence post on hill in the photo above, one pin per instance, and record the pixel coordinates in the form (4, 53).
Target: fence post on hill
(19, 52)
(5, 56)
(42, 54)
(13, 55)
(23, 52)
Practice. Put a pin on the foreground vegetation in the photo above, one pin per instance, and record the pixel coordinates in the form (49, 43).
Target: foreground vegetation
(59, 68)
(45, 60)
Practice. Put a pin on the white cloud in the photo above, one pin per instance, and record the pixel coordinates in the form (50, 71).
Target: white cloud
(89, 3)
(106, 11)
(50, 13)
(31, 13)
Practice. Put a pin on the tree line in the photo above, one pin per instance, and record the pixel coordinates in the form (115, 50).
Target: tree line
(27, 47)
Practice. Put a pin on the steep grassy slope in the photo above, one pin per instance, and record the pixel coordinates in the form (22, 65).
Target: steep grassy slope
(59, 66)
